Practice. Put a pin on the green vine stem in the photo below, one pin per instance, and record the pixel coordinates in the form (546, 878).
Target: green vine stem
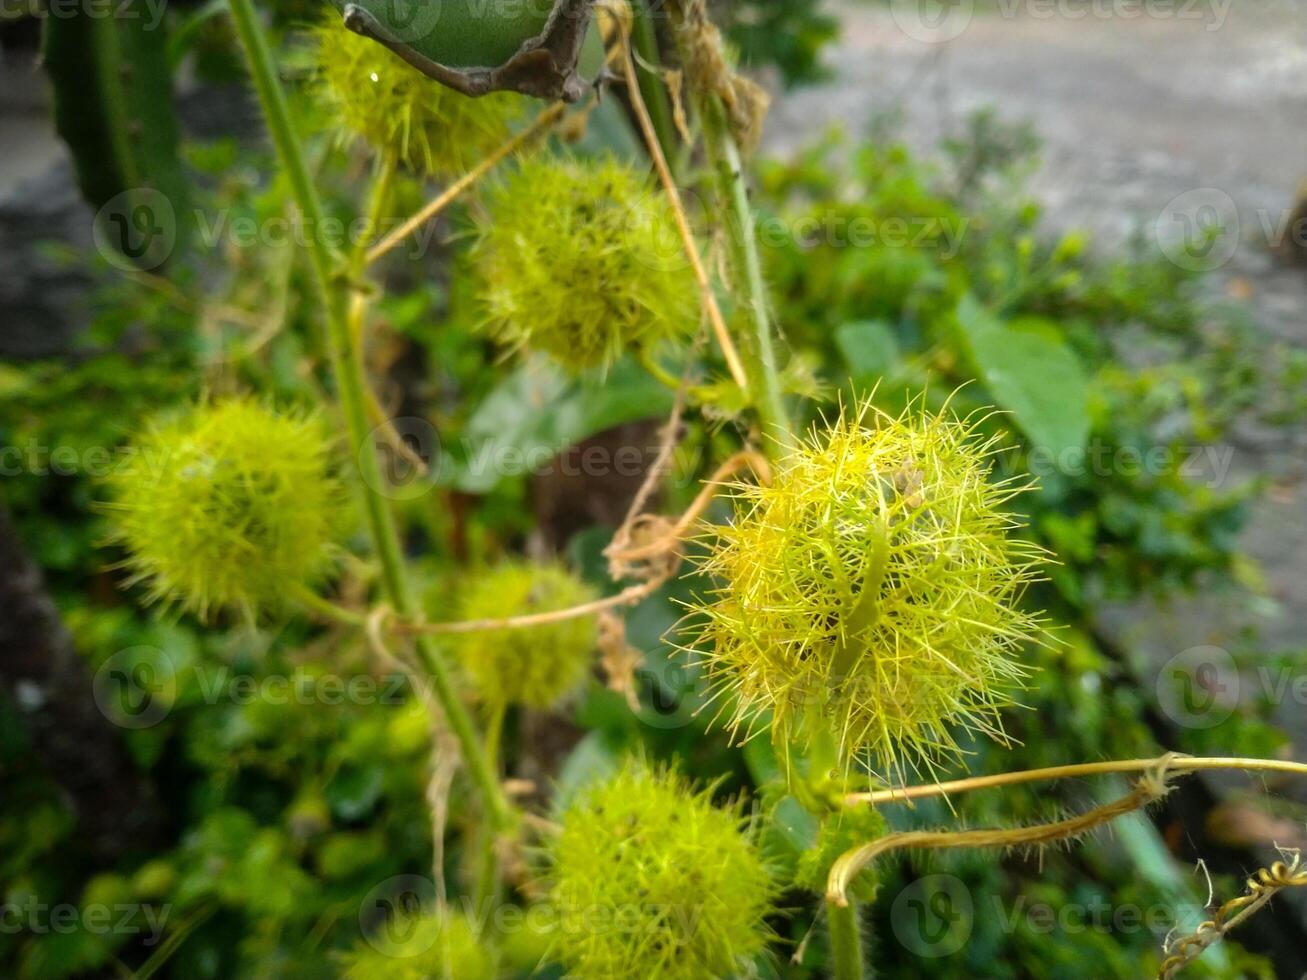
(845, 941)
(645, 38)
(347, 365)
(747, 266)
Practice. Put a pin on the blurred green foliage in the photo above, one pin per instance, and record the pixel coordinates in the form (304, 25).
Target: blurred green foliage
(293, 797)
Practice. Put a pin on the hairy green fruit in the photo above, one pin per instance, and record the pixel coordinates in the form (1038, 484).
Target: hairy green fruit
(537, 666)
(580, 259)
(423, 947)
(873, 591)
(651, 880)
(231, 506)
(374, 96)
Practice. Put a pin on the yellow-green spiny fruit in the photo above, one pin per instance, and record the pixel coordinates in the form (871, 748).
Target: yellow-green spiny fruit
(373, 95)
(580, 259)
(651, 880)
(428, 946)
(873, 591)
(536, 666)
(229, 506)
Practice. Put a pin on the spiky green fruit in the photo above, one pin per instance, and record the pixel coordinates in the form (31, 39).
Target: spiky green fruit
(373, 95)
(579, 258)
(428, 946)
(230, 506)
(873, 591)
(536, 666)
(651, 880)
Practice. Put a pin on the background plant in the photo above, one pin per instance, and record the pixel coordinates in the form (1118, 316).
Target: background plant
(286, 817)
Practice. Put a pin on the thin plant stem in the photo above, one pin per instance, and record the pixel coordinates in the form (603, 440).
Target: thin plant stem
(706, 295)
(627, 597)
(487, 883)
(743, 235)
(690, 25)
(645, 39)
(845, 941)
(347, 365)
(540, 124)
(1177, 764)
(1150, 787)
(328, 609)
(666, 547)
(382, 183)
(1261, 887)
(659, 373)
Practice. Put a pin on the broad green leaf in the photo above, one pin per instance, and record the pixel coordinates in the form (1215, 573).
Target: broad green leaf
(538, 411)
(1034, 376)
(869, 348)
(593, 758)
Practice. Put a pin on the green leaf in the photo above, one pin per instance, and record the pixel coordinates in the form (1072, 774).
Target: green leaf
(538, 411)
(113, 106)
(469, 34)
(869, 348)
(593, 758)
(354, 791)
(1033, 375)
